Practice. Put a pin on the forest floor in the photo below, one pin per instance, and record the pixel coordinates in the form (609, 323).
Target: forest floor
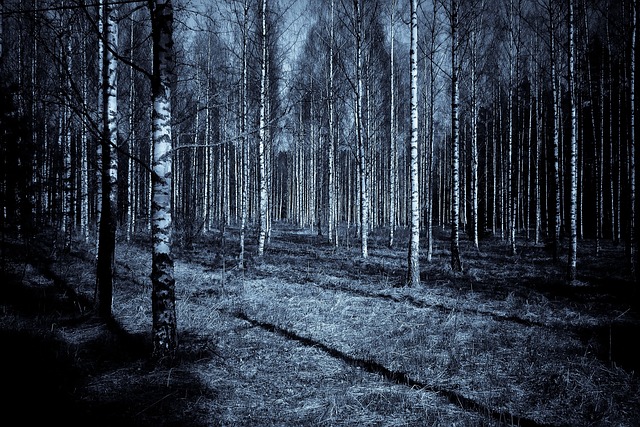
(312, 336)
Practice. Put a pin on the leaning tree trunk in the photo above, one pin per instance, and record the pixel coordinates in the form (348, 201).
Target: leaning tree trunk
(107, 231)
(413, 276)
(164, 329)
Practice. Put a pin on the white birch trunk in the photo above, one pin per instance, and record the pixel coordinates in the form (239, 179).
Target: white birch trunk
(537, 158)
(362, 152)
(130, 218)
(332, 227)
(164, 329)
(474, 141)
(66, 149)
(573, 147)
(84, 167)
(455, 137)
(107, 233)
(512, 196)
(393, 152)
(632, 147)
(100, 120)
(261, 140)
(430, 136)
(245, 143)
(556, 137)
(414, 243)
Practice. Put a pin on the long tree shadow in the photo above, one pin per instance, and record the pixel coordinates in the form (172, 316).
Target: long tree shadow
(397, 377)
(62, 365)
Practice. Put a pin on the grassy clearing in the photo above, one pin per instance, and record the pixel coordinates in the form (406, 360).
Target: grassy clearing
(312, 336)
(499, 365)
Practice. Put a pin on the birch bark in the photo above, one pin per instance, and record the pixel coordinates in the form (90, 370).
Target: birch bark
(164, 328)
(455, 138)
(107, 232)
(413, 276)
(261, 141)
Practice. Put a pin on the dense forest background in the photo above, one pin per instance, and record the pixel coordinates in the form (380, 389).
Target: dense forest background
(303, 113)
(327, 213)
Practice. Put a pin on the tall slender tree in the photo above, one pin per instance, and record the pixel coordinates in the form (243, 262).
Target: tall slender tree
(261, 138)
(332, 226)
(244, 162)
(573, 148)
(164, 327)
(414, 239)
(109, 172)
(432, 67)
(393, 143)
(360, 142)
(632, 243)
(555, 124)
(456, 265)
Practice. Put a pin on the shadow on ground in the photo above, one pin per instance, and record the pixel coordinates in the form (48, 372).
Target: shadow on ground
(48, 380)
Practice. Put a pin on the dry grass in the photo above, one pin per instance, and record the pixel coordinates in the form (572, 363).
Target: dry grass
(311, 336)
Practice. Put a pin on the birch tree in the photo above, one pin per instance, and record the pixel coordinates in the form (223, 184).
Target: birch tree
(244, 179)
(261, 139)
(632, 244)
(431, 71)
(362, 150)
(393, 143)
(455, 140)
(573, 148)
(332, 226)
(414, 242)
(164, 328)
(109, 163)
(512, 182)
(476, 25)
(555, 123)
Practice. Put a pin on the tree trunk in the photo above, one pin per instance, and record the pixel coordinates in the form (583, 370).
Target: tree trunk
(332, 211)
(413, 276)
(245, 143)
(261, 139)
(556, 137)
(131, 189)
(107, 234)
(164, 329)
(631, 241)
(512, 182)
(455, 138)
(474, 141)
(393, 147)
(362, 151)
(573, 147)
